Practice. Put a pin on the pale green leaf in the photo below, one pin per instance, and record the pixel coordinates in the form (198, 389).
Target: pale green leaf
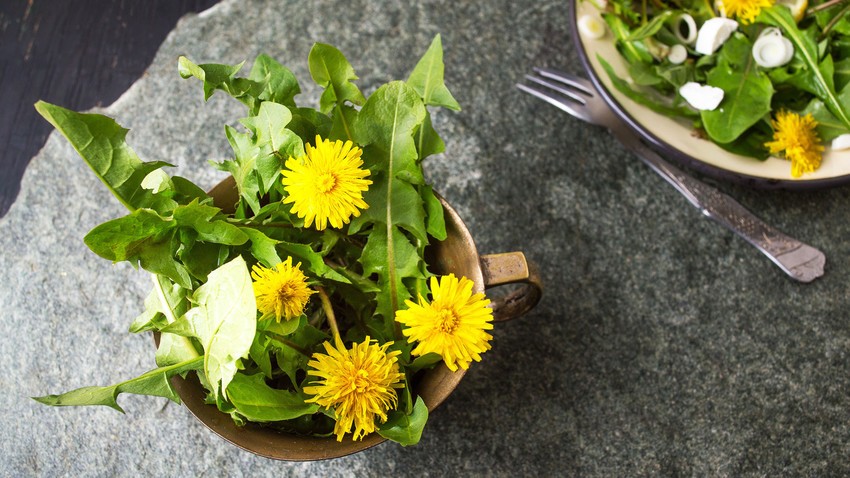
(155, 382)
(427, 78)
(100, 141)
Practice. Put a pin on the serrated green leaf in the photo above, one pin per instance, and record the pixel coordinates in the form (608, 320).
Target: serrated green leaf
(290, 360)
(623, 87)
(155, 383)
(341, 125)
(209, 223)
(386, 124)
(224, 321)
(279, 84)
(312, 260)
(391, 262)
(215, 76)
(152, 318)
(258, 402)
(400, 206)
(828, 127)
(436, 221)
(100, 141)
(405, 429)
(143, 238)
(427, 78)
(263, 247)
(332, 71)
(428, 142)
(747, 92)
(243, 168)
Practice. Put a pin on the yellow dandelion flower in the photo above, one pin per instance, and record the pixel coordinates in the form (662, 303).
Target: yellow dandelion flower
(281, 290)
(358, 384)
(453, 325)
(326, 185)
(745, 10)
(795, 135)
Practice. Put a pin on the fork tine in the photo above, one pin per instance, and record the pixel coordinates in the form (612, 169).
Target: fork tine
(557, 87)
(579, 111)
(567, 79)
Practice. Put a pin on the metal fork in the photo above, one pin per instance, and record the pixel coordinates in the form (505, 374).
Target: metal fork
(578, 97)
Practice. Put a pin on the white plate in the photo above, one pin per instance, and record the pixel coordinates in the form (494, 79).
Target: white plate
(674, 136)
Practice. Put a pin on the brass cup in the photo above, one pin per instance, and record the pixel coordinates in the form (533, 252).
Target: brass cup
(458, 255)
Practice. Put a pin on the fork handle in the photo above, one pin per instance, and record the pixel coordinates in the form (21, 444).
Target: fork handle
(799, 260)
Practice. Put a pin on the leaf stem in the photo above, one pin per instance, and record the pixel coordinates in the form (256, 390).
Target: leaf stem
(168, 311)
(250, 223)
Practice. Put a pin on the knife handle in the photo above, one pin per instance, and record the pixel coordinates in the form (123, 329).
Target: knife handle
(799, 260)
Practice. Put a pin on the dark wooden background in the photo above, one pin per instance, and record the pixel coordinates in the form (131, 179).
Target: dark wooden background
(76, 54)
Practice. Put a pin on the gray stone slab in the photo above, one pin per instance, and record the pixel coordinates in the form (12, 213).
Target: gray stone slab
(664, 345)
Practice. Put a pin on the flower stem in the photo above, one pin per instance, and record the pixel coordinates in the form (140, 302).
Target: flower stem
(823, 6)
(834, 21)
(329, 313)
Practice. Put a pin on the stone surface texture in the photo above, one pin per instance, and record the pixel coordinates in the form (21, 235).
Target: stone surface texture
(664, 345)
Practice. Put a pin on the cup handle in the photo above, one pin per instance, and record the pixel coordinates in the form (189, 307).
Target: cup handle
(511, 268)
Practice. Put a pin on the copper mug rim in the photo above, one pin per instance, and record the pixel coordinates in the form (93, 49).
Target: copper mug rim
(434, 386)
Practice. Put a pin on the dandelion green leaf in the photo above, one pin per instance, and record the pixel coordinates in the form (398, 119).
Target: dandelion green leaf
(143, 238)
(405, 429)
(100, 141)
(279, 84)
(623, 87)
(258, 402)
(152, 318)
(341, 127)
(649, 28)
(243, 167)
(332, 71)
(391, 262)
(402, 202)
(224, 321)
(209, 223)
(307, 123)
(311, 260)
(262, 247)
(747, 92)
(290, 360)
(214, 76)
(428, 142)
(259, 353)
(274, 141)
(154, 382)
(427, 78)
(201, 258)
(828, 127)
(436, 222)
(386, 125)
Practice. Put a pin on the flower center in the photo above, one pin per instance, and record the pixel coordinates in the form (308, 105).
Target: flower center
(447, 320)
(325, 182)
(360, 381)
(285, 293)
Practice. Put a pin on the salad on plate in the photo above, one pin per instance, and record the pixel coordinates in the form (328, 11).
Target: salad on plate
(758, 78)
